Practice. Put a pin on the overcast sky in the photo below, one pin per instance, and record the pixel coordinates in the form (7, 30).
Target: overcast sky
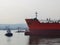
(15, 11)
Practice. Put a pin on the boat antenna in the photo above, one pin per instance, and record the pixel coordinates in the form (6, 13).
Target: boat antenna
(36, 15)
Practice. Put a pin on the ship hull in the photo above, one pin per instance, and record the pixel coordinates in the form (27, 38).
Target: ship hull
(44, 33)
(37, 28)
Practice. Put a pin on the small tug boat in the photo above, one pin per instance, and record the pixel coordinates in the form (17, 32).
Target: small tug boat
(18, 30)
(9, 34)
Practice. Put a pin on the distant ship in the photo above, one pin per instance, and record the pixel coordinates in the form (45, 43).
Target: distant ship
(20, 30)
(48, 28)
(9, 34)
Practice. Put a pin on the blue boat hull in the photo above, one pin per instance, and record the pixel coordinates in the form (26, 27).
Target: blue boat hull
(9, 34)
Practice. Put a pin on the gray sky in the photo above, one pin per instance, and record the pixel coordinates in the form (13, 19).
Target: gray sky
(15, 11)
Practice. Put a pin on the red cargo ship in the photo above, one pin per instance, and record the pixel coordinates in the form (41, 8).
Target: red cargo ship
(46, 29)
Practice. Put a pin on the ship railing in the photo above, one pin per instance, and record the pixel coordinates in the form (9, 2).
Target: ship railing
(49, 21)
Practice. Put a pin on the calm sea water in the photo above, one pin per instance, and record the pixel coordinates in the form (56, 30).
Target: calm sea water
(21, 39)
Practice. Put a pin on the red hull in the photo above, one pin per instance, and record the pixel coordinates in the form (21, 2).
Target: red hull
(44, 33)
(37, 28)
(36, 25)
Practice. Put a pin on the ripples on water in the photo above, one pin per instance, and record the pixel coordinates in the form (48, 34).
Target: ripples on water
(21, 39)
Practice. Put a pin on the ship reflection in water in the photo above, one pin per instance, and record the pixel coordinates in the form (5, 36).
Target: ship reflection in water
(36, 40)
(21, 39)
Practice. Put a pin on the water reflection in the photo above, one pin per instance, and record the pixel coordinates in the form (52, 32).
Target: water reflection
(8, 39)
(34, 40)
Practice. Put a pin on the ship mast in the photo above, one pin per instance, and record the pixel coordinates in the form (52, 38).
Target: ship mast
(36, 15)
